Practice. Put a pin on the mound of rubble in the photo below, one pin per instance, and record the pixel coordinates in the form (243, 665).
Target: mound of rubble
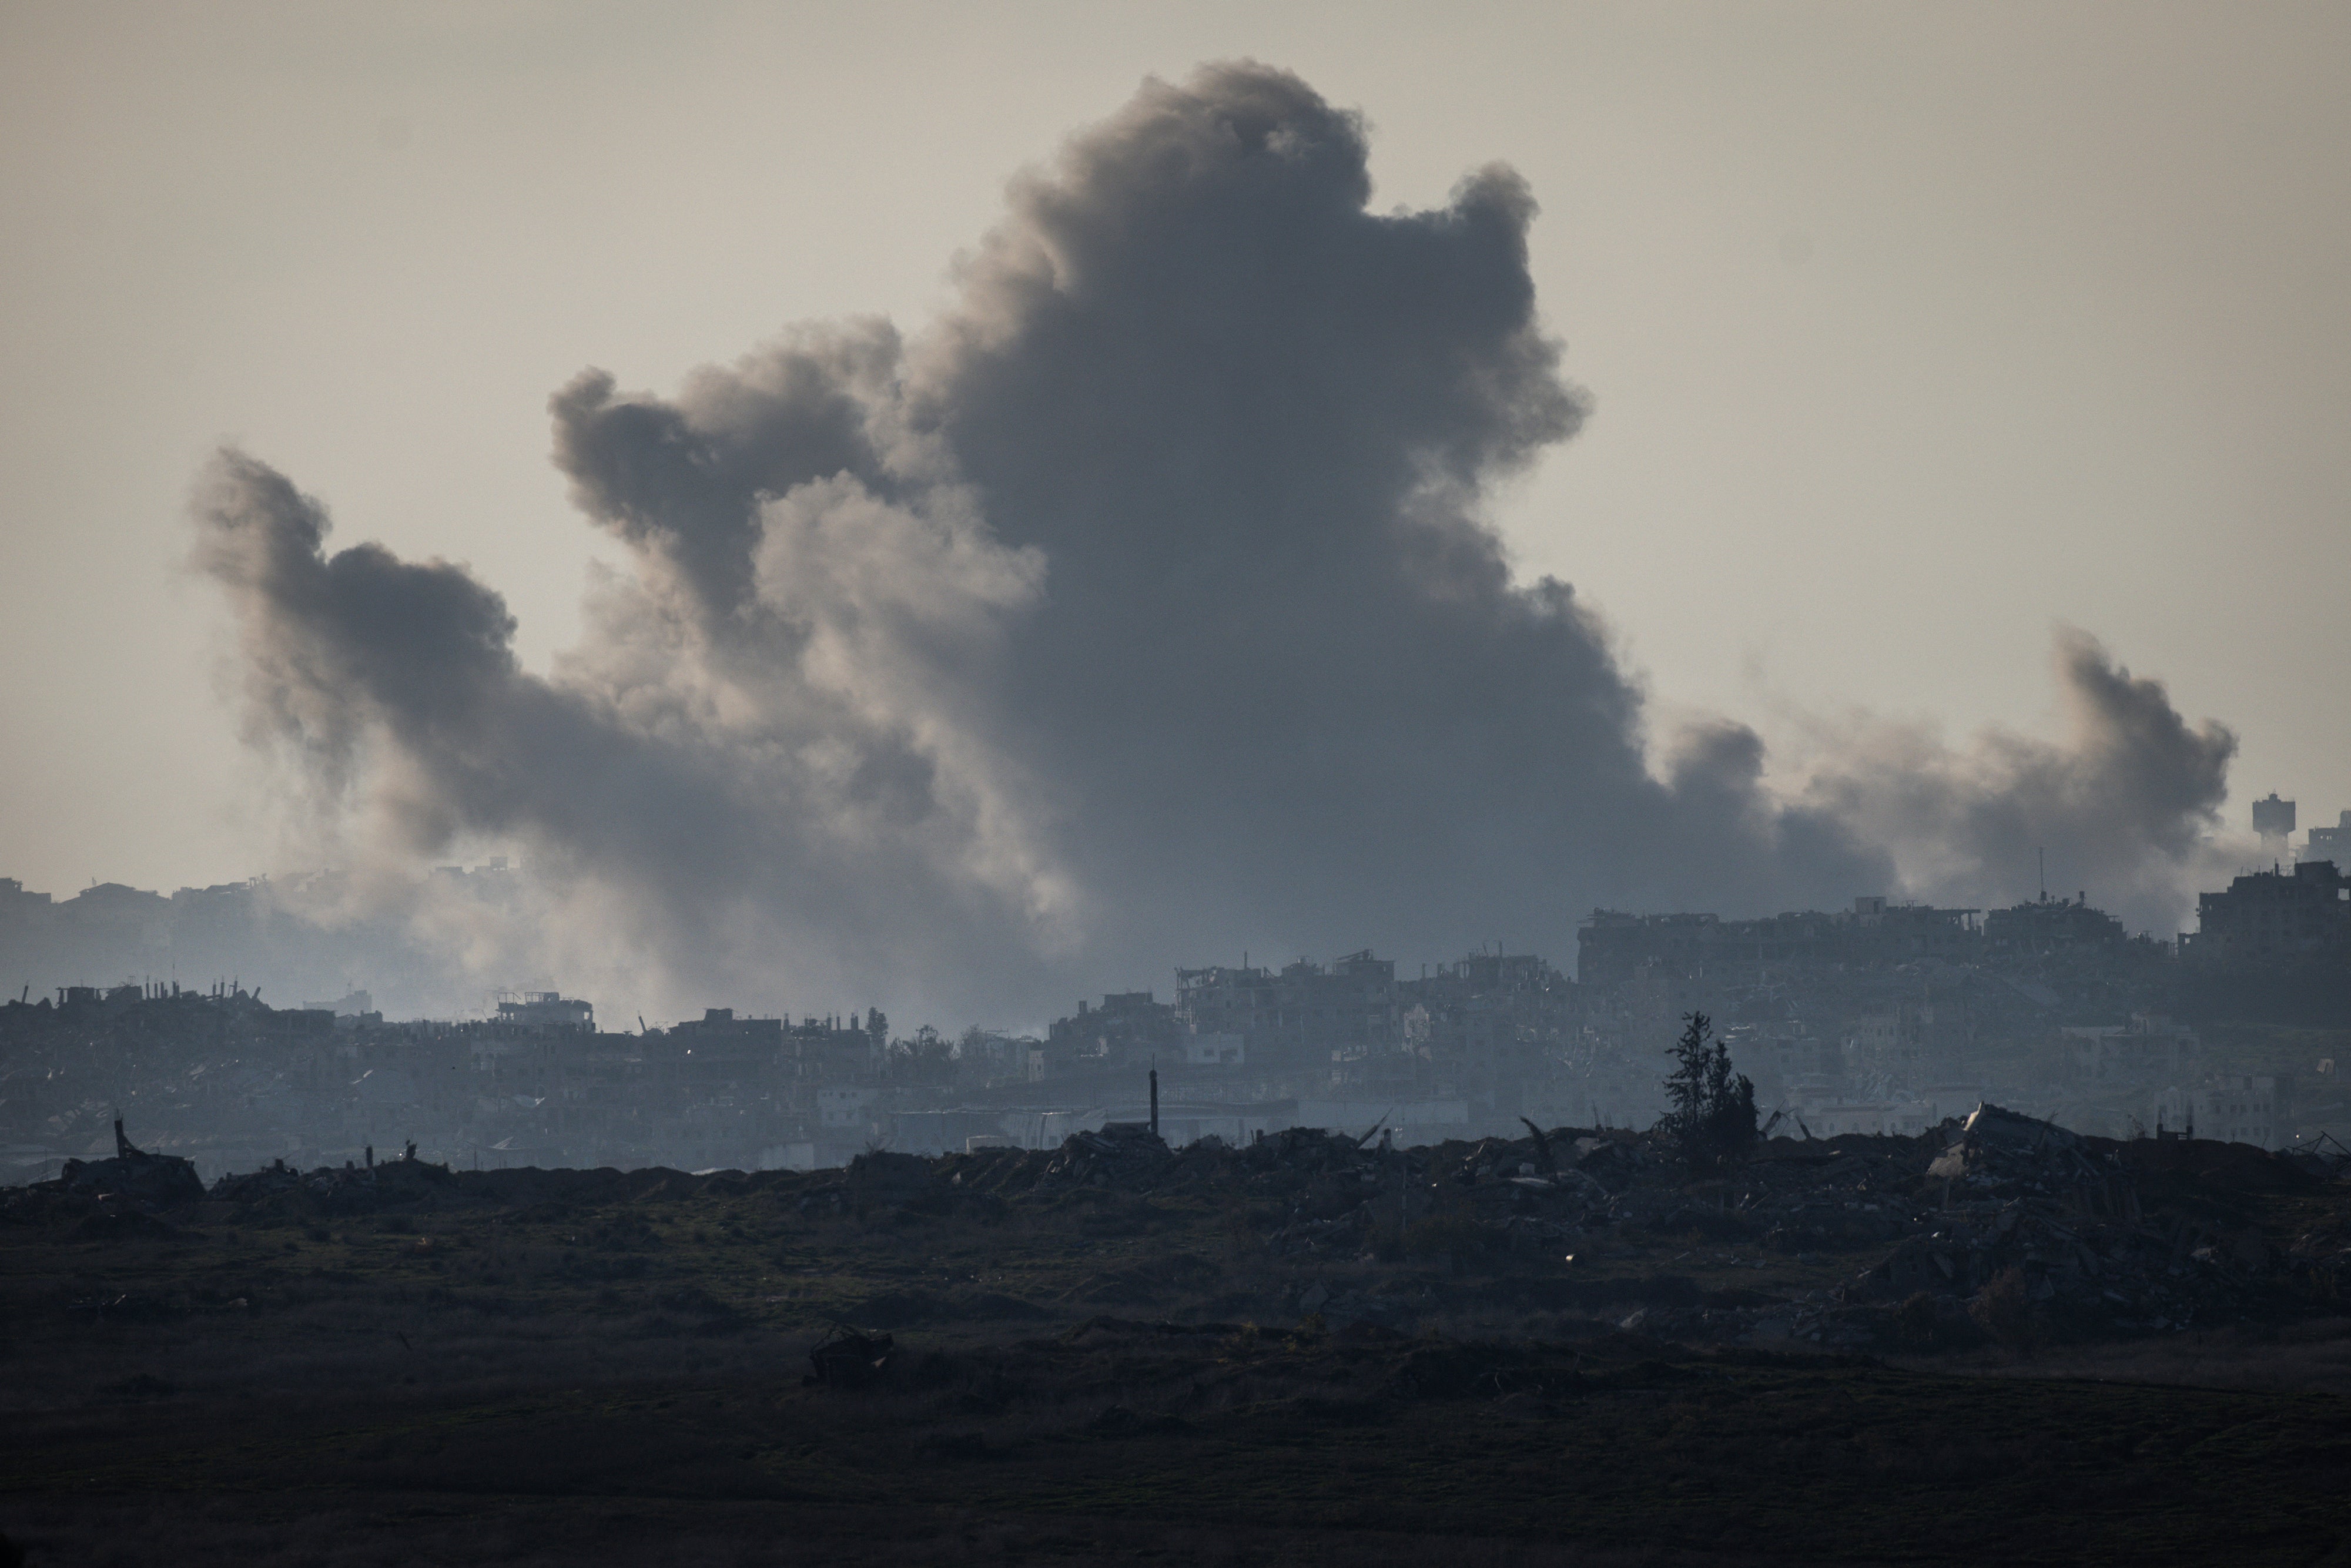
(155, 1181)
(348, 1189)
(2002, 1227)
(411, 1184)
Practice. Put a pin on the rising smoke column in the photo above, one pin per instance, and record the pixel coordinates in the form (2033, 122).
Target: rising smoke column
(2126, 807)
(1143, 610)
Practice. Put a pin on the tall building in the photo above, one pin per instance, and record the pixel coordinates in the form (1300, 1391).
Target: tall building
(2273, 819)
(2275, 917)
(2330, 844)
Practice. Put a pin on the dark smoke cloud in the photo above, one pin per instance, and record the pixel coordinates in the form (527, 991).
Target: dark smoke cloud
(1143, 610)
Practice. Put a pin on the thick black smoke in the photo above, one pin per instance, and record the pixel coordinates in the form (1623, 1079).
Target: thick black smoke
(1142, 611)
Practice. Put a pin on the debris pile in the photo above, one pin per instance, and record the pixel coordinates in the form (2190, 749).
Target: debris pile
(880, 1181)
(158, 1181)
(1123, 1154)
(2049, 1236)
(342, 1189)
(847, 1359)
(2004, 1227)
(2320, 1260)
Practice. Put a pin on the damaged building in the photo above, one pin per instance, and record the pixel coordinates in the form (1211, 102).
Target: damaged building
(1881, 1017)
(2274, 919)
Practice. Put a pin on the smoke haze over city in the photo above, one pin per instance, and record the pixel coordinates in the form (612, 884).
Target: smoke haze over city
(1145, 606)
(908, 783)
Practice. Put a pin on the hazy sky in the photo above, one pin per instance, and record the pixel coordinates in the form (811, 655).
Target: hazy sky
(1910, 332)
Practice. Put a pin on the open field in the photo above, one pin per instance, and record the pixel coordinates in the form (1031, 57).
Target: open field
(527, 1367)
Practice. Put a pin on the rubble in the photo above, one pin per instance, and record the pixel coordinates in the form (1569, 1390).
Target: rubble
(1122, 1152)
(348, 1189)
(2048, 1236)
(845, 1358)
(161, 1181)
(1994, 1145)
(2003, 1227)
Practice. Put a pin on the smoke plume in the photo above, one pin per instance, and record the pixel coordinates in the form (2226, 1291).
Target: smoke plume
(2126, 806)
(1143, 610)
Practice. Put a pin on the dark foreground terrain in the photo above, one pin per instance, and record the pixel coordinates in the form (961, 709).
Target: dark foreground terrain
(2008, 1345)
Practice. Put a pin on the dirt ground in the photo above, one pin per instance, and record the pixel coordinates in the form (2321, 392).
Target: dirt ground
(532, 1367)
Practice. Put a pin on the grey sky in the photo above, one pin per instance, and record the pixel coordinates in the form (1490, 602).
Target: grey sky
(1910, 333)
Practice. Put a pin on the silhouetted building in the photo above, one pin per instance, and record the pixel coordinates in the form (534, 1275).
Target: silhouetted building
(1307, 1011)
(2273, 819)
(2273, 917)
(2333, 844)
(1129, 1026)
(1611, 947)
(545, 1010)
(2051, 926)
(2150, 1046)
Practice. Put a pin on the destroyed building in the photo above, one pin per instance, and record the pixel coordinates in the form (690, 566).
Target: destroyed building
(2051, 926)
(1305, 1012)
(2275, 918)
(546, 1010)
(2148, 1047)
(1613, 946)
(1130, 1027)
(1501, 1032)
(2231, 1108)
